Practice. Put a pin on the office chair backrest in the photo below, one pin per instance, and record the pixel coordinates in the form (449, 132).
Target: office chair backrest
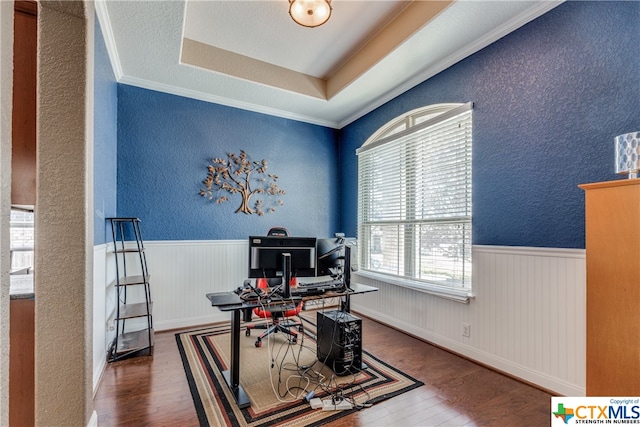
(275, 281)
(278, 231)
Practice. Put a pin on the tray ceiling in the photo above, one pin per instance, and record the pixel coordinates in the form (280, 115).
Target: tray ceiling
(252, 55)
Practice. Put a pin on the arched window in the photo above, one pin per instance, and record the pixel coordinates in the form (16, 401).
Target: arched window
(414, 200)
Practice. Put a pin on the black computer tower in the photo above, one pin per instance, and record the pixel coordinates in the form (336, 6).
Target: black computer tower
(339, 340)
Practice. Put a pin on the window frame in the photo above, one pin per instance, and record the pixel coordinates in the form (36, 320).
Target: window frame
(404, 126)
(22, 240)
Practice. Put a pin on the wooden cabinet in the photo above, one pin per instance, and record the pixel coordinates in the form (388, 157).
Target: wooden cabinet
(613, 287)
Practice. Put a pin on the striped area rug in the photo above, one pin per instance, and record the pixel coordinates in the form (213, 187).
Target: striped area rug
(277, 377)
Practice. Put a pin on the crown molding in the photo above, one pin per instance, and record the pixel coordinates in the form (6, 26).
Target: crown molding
(529, 15)
(109, 38)
(207, 97)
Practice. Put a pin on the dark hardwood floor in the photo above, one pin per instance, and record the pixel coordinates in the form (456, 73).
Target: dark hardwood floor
(153, 391)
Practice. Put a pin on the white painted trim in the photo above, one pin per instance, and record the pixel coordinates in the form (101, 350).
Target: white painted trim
(99, 318)
(150, 243)
(109, 38)
(452, 294)
(93, 421)
(194, 94)
(531, 251)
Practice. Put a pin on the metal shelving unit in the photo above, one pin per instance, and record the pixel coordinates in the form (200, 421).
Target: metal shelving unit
(133, 337)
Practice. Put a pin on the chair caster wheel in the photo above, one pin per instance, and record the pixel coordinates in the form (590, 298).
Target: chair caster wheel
(300, 328)
(247, 332)
(258, 343)
(294, 341)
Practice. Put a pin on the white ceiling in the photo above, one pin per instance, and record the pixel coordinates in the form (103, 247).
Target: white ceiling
(250, 54)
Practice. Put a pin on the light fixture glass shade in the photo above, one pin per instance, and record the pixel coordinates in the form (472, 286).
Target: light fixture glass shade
(310, 13)
(628, 154)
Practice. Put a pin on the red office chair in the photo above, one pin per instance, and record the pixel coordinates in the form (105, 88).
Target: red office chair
(278, 322)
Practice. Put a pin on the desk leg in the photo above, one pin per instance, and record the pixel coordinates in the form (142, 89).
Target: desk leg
(346, 304)
(232, 375)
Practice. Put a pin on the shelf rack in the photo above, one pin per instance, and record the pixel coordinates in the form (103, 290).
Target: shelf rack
(132, 337)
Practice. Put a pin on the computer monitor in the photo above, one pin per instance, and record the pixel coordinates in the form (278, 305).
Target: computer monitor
(331, 255)
(266, 260)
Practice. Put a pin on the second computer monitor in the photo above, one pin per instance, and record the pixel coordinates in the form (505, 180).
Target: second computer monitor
(331, 255)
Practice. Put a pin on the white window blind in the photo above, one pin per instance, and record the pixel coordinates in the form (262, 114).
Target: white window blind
(414, 200)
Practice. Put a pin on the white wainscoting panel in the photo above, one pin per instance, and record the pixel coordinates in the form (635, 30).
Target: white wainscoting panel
(528, 317)
(183, 272)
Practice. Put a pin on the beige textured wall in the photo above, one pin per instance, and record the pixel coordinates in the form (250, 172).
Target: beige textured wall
(63, 261)
(6, 88)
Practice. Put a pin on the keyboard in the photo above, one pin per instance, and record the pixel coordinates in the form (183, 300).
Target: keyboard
(318, 288)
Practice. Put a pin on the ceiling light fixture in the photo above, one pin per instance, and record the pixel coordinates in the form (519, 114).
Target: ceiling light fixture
(310, 13)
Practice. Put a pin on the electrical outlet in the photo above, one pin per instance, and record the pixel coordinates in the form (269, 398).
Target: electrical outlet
(466, 330)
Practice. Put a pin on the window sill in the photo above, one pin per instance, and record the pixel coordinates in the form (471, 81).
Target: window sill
(456, 295)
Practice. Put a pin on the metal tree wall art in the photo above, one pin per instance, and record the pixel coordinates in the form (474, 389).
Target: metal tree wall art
(238, 174)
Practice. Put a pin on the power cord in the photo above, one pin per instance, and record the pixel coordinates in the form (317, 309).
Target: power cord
(304, 382)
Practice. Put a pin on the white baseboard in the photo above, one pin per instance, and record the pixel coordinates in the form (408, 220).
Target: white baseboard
(191, 321)
(528, 375)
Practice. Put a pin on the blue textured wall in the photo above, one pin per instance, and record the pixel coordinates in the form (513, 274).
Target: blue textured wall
(105, 139)
(166, 141)
(549, 99)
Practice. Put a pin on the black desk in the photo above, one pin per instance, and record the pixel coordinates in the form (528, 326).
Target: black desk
(229, 301)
